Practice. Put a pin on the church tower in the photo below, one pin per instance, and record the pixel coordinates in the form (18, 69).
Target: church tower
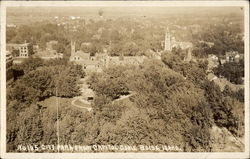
(189, 55)
(167, 46)
(73, 47)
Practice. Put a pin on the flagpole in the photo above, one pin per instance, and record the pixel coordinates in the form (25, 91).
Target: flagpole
(57, 113)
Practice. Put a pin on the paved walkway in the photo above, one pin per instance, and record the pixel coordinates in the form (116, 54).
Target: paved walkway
(81, 106)
(84, 87)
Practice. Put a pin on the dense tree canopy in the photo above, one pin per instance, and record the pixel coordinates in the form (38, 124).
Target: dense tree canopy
(233, 71)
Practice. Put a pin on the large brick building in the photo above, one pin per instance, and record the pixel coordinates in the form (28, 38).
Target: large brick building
(101, 60)
(171, 43)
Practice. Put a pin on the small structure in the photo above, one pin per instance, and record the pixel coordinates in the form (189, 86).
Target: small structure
(89, 95)
(79, 56)
(49, 52)
(50, 45)
(213, 57)
(233, 56)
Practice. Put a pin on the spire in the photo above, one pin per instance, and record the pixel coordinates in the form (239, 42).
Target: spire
(73, 47)
(167, 41)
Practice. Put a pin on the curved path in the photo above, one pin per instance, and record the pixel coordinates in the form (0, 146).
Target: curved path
(80, 106)
(83, 87)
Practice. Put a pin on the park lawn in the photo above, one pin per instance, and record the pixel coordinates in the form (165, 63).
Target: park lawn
(78, 102)
(51, 103)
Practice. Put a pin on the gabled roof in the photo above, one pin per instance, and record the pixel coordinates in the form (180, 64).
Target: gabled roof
(81, 54)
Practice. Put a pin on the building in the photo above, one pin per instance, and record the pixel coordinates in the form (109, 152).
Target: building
(23, 49)
(50, 45)
(49, 52)
(47, 55)
(11, 25)
(101, 60)
(124, 60)
(233, 56)
(89, 63)
(171, 43)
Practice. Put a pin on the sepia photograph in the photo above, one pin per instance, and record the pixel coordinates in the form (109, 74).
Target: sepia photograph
(125, 78)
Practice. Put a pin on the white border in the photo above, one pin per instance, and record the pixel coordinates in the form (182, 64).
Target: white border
(5, 4)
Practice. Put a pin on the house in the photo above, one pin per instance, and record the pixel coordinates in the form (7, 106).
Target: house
(23, 49)
(79, 56)
(213, 57)
(49, 52)
(233, 56)
(124, 60)
(50, 45)
(209, 44)
(11, 25)
(47, 55)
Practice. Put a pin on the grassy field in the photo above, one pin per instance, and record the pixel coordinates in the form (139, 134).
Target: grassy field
(52, 102)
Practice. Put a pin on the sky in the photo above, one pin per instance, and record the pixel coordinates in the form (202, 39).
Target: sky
(124, 11)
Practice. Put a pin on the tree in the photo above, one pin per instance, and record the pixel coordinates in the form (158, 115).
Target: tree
(66, 85)
(233, 71)
(30, 126)
(31, 64)
(226, 37)
(77, 71)
(23, 93)
(42, 80)
(15, 53)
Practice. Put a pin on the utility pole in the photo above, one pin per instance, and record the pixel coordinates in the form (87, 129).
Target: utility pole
(57, 120)
(238, 133)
